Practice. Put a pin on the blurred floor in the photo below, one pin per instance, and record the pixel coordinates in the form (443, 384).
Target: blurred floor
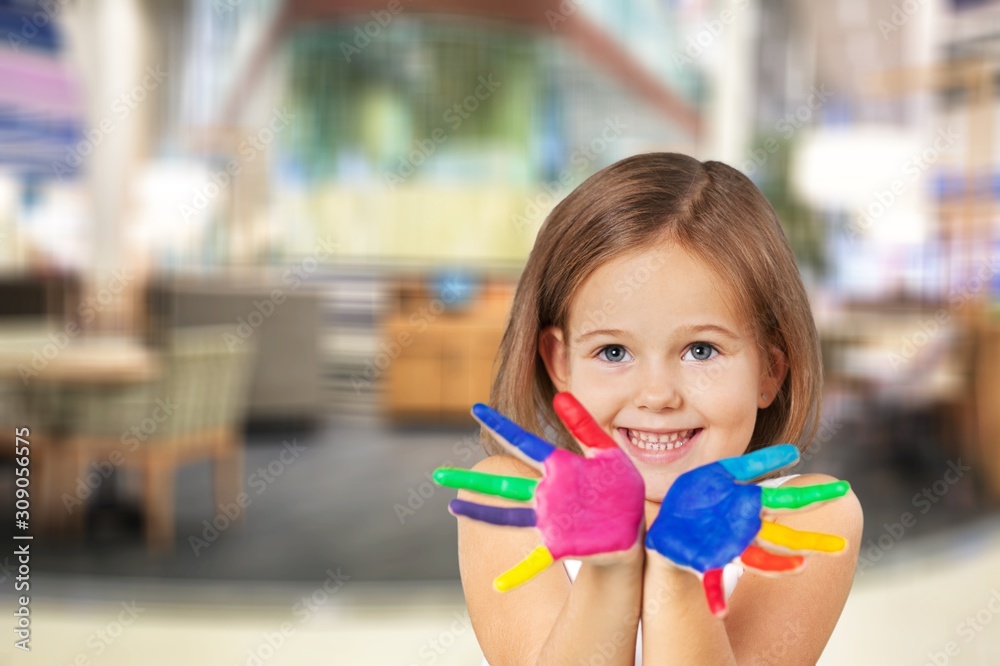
(940, 606)
(216, 625)
(352, 496)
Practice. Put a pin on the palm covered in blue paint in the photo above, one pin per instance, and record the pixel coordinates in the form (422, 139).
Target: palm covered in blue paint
(709, 518)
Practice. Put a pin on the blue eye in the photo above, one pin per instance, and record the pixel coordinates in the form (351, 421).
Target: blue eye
(701, 351)
(614, 354)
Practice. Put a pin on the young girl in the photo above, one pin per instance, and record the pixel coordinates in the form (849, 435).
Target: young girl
(663, 295)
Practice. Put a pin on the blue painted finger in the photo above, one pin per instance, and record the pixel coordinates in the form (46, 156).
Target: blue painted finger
(494, 515)
(530, 445)
(758, 463)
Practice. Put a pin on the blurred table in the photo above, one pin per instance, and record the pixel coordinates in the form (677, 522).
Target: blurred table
(923, 359)
(39, 362)
(34, 351)
(888, 356)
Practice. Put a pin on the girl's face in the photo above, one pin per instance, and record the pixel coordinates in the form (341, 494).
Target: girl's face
(658, 356)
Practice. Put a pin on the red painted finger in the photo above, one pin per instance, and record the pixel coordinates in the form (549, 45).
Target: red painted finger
(756, 557)
(714, 593)
(580, 423)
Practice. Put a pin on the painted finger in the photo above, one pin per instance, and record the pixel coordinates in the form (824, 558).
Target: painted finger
(757, 558)
(760, 462)
(714, 592)
(787, 537)
(535, 563)
(798, 497)
(534, 447)
(494, 515)
(510, 487)
(580, 423)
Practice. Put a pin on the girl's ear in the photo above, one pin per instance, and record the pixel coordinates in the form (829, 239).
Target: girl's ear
(773, 378)
(554, 354)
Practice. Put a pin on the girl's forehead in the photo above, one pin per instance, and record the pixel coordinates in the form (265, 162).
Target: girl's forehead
(662, 286)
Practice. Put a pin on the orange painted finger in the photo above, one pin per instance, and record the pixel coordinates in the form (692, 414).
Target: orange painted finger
(758, 558)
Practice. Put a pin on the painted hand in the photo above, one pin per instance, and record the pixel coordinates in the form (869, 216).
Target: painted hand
(708, 520)
(583, 505)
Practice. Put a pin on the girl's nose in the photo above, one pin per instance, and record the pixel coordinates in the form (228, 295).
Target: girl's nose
(657, 391)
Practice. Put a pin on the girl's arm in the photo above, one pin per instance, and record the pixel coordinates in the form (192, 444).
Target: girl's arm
(786, 619)
(548, 620)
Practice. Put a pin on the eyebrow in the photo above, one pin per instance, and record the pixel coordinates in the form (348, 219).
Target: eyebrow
(701, 328)
(612, 332)
(689, 329)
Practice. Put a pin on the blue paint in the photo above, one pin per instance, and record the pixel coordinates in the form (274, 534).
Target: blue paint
(707, 519)
(529, 444)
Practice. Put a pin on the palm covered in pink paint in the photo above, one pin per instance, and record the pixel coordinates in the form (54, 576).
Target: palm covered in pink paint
(584, 506)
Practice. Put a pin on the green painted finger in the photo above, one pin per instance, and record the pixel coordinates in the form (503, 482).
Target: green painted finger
(796, 498)
(511, 487)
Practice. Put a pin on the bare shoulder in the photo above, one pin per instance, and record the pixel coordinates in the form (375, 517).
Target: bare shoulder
(790, 618)
(509, 626)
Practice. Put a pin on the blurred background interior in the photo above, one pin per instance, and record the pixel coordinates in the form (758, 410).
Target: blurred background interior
(265, 247)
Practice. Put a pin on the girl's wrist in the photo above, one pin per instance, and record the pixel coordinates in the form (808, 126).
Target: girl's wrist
(665, 584)
(631, 561)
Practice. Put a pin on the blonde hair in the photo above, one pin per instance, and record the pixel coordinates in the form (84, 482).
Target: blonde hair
(713, 212)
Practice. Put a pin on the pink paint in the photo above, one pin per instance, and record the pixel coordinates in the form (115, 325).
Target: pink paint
(589, 505)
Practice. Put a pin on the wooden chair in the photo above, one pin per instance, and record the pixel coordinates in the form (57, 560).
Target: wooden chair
(194, 411)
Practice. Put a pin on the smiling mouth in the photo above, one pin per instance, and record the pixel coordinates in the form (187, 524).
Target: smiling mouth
(654, 441)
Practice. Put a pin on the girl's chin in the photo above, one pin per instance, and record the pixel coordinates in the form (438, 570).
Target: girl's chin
(658, 482)
(657, 490)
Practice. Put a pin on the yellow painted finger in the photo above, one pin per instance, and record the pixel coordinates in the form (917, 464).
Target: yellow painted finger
(781, 535)
(535, 563)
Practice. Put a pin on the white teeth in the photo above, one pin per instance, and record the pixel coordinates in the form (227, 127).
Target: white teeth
(656, 442)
